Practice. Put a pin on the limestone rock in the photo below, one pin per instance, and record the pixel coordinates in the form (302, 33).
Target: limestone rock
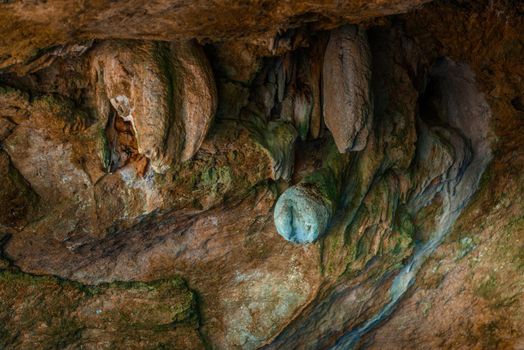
(304, 211)
(133, 82)
(303, 105)
(395, 96)
(117, 237)
(132, 315)
(14, 105)
(233, 97)
(195, 94)
(278, 140)
(310, 72)
(28, 27)
(347, 103)
(301, 215)
(17, 198)
(166, 93)
(6, 127)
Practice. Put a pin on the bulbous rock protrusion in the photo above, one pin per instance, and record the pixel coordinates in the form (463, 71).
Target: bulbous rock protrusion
(196, 97)
(303, 212)
(131, 80)
(347, 100)
(167, 93)
(301, 215)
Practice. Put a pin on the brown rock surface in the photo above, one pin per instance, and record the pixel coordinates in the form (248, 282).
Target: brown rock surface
(68, 315)
(31, 26)
(166, 93)
(129, 219)
(469, 295)
(196, 95)
(346, 95)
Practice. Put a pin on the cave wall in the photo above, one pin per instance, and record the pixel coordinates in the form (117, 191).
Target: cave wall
(333, 202)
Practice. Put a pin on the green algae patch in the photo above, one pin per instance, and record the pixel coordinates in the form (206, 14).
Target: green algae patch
(17, 198)
(60, 113)
(141, 305)
(45, 312)
(228, 166)
(487, 289)
(277, 141)
(466, 245)
(215, 178)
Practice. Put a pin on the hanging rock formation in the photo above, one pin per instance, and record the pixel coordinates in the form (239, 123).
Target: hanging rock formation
(304, 211)
(166, 93)
(347, 103)
(195, 95)
(320, 177)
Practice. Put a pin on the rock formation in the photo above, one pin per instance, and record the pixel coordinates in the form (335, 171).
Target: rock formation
(346, 95)
(165, 93)
(275, 175)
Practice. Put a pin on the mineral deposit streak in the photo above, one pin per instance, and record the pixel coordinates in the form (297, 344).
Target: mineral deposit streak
(468, 111)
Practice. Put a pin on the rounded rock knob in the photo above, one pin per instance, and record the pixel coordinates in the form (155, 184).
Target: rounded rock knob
(302, 214)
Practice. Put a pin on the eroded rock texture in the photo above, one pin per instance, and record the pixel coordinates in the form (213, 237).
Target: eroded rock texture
(347, 100)
(166, 93)
(132, 315)
(271, 175)
(30, 26)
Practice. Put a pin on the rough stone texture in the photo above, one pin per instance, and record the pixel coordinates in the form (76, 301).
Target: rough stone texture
(29, 26)
(346, 94)
(176, 244)
(278, 141)
(16, 195)
(195, 95)
(469, 294)
(69, 315)
(222, 170)
(133, 83)
(304, 211)
(166, 93)
(384, 272)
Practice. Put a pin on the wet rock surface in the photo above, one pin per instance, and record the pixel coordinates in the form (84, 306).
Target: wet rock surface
(321, 181)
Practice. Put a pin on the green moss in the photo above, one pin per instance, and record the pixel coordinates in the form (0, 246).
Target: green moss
(487, 289)
(215, 178)
(60, 107)
(53, 104)
(67, 308)
(7, 90)
(466, 245)
(403, 232)
(425, 307)
(490, 338)
(324, 180)
(514, 251)
(104, 150)
(64, 333)
(334, 160)
(277, 139)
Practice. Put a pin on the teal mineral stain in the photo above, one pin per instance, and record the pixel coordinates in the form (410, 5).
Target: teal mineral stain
(300, 216)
